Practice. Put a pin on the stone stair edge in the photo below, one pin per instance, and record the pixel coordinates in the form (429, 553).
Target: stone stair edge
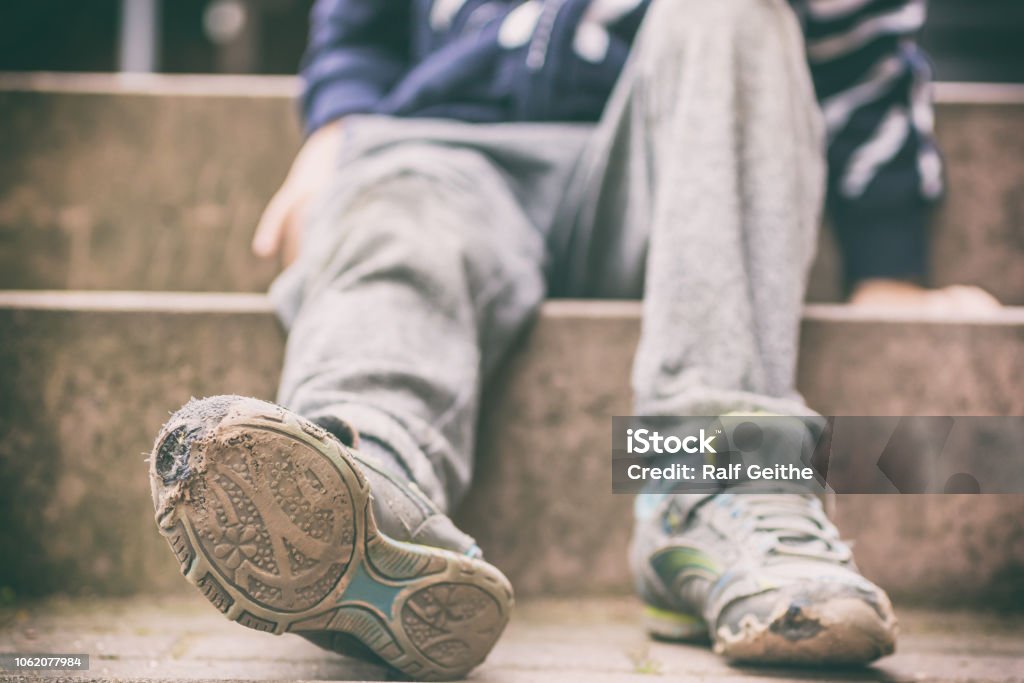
(131, 301)
(246, 85)
(92, 83)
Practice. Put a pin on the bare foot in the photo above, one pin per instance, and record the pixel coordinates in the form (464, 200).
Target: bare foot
(896, 294)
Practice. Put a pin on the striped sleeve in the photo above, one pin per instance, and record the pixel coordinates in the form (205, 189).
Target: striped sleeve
(874, 86)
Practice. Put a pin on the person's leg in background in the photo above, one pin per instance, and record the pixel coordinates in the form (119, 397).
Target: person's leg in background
(417, 270)
(702, 189)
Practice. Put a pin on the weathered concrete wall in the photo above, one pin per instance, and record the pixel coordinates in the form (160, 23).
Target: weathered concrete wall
(139, 191)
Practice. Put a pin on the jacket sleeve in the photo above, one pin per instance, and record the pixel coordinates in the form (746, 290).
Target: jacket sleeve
(874, 86)
(357, 50)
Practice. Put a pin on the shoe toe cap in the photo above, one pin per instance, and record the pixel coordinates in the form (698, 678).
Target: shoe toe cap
(825, 622)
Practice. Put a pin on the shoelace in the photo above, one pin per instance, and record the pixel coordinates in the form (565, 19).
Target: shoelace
(796, 525)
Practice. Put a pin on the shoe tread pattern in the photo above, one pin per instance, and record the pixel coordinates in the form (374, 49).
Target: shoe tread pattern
(293, 562)
(450, 623)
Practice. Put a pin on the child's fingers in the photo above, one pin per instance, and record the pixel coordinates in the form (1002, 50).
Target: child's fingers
(267, 239)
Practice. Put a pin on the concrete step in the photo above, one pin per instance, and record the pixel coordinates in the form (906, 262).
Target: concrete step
(114, 182)
(86, 380)
(594, 640)
(156, 182)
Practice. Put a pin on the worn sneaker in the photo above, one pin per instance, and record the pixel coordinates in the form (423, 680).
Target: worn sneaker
(285, 529)
(765, 576)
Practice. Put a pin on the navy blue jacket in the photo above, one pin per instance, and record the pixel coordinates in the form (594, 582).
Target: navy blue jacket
(516, 60)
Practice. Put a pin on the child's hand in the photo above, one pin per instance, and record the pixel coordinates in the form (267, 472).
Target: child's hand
(280, 227)
(896, 294)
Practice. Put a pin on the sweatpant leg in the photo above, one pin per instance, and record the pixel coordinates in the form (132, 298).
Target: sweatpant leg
(702, 190)
(415, 273)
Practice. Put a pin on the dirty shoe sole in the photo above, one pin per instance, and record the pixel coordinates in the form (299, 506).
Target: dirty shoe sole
(270, 519)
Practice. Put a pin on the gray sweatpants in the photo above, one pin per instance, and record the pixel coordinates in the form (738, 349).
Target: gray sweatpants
(699, 191)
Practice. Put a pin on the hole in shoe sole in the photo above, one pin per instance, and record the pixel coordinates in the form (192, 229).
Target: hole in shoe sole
(172, 456)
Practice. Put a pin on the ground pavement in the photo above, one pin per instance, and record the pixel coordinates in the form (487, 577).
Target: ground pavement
(593, 639)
